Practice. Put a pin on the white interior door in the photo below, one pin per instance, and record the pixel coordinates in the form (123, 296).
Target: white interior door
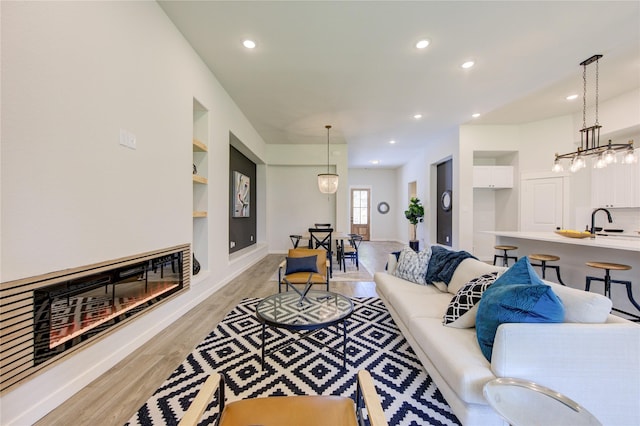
(542, 204)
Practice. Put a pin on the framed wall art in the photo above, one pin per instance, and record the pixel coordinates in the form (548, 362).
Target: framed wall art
(241, 195)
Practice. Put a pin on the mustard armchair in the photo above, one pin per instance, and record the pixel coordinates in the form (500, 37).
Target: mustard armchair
(300, 268)
(297, 410)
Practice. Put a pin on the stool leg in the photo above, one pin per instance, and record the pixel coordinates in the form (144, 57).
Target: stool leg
(607, 284)
(557, 268)
(505, 259)
(544, 268)
(495, 258)
(627, 284)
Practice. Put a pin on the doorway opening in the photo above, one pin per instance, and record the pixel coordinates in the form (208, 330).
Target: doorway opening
(412, 191)
(361, 212)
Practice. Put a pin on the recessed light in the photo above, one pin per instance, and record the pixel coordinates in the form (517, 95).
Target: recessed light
(572, 97)
(467, 64)
(375, 161)
(417, 116)
(392, 142)
(249, 44)
(422, 44)
(476, 115)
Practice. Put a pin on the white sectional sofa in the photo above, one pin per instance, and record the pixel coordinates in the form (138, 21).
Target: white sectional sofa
(595, 364)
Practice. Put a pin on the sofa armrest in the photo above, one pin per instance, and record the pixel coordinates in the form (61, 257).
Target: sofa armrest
(596, 365)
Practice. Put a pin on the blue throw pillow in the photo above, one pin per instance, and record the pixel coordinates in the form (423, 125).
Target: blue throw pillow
(302, 264)
(517, 296)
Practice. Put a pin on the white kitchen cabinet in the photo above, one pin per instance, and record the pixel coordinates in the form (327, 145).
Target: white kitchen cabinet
(616, 186)
(493, 177)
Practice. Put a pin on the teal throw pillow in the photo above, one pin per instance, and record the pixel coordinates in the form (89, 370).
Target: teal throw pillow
(302, 264)
(517, 296)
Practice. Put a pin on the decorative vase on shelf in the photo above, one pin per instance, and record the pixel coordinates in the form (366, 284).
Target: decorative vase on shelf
(196, 265)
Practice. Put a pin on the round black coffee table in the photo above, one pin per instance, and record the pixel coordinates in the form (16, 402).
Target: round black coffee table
(305, 316)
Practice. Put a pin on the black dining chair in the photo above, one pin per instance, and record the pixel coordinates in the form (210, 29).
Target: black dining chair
(322, 225)
(350, 251)
(321, 238)
(295, 240)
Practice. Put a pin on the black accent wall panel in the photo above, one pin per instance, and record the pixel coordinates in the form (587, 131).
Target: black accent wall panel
(445, 212)
(242, 230)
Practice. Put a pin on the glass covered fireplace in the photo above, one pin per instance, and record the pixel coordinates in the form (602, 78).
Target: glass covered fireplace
(70, 312)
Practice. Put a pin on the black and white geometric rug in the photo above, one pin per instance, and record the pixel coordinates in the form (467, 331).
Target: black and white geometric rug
(408, 395)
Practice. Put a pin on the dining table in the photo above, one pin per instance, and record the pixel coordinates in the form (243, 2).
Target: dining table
(338, 236)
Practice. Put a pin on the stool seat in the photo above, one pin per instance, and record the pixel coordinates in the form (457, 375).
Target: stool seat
(504, 256)
(610, 266)
(607, 266)
(544, 257)
(506, 247)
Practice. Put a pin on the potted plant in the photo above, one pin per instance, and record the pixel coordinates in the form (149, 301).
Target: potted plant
(415, 215)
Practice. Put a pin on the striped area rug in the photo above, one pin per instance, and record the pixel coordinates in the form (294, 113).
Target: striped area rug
(408, 395)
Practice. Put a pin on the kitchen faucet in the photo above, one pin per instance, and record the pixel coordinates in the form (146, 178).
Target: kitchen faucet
(593, 220)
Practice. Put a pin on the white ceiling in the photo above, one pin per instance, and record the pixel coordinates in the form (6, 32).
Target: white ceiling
(353, 64)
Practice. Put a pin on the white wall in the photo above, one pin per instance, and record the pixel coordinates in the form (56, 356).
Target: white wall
(536, 144)
(73, 75)
(483, 138)
(295, 204)
(307, 161)
(484, 219)
(422, 170)
(383, 184)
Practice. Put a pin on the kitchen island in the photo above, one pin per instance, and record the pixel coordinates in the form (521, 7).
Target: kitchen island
(575, 252)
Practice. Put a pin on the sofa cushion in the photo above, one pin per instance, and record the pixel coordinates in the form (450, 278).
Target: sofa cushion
(582, 306)
(389, 286)
(412, 266)
(462, 309)
(468, 270)
(443, 264)
(392, 262)
(412, 305)
(517, 296)
(456, 355)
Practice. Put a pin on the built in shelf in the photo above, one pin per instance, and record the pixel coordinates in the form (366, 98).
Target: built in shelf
(200, 179)
(199, 146)
(199, 214)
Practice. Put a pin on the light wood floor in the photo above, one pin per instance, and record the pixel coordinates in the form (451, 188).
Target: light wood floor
(115, 396)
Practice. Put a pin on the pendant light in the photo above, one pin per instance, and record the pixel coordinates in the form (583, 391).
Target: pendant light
(328, 182)
(604, 155)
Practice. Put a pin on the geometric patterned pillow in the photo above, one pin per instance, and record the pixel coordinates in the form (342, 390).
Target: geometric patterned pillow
(413, 266)
(462, 309)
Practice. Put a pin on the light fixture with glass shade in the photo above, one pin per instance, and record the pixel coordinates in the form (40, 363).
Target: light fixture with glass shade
(328, 182)
(590, 136)
(629, 156)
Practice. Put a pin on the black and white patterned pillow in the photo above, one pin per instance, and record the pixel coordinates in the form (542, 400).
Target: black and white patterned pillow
(413, 266)
(462, 309)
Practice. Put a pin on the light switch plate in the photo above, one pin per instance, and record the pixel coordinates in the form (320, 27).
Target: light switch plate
(128, 139)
